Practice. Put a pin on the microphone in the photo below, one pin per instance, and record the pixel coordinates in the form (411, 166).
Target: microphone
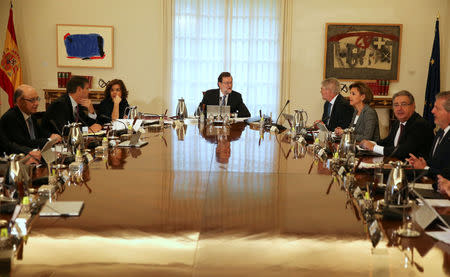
(56, 127)
(390, 155)
(287, 102)
(89, 127)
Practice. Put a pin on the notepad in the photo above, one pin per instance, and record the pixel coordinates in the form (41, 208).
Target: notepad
(62, 208)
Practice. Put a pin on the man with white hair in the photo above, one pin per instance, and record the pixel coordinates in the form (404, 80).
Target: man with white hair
(337, 112)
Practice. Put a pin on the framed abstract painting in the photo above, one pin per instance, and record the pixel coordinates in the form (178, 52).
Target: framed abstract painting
(84, 46)
(362, 51)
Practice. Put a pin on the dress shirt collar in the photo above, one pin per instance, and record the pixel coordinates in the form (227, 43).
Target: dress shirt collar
(446, 130)
(73, 102)
(333, 100)
(25, 116)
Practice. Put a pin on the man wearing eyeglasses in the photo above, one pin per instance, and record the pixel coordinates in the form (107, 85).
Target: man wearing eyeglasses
(20, 125)
(439, 156)
(410, 133)
(225, 96)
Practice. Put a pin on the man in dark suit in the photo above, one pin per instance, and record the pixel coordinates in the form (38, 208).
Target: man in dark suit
(74, 106)
(439, 155)
(225, 96)
(410, 133)
(337, 112)
(20, 125)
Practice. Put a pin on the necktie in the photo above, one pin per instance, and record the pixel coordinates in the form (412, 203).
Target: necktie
(76, 113)
(439, 135)
(31, 128)
(401, 126)
(223, 101)
(329, 112)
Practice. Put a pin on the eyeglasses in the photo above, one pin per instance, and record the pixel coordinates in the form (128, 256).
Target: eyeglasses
(227, 83)
(403, 105)
(32, 100)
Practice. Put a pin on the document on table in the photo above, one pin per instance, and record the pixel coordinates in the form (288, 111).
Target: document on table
(443, 236)
(121, 124)
(436, 202)
(423, 186)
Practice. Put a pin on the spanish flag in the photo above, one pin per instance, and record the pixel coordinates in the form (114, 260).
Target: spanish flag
(11, 67)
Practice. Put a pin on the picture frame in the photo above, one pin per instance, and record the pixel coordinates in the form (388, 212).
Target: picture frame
(362, 51)
(84, 46)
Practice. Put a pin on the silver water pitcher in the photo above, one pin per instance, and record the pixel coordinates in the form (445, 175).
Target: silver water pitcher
(397, 186)
(75, 137)
(19, 174)
(131, 112)
(347, 146)
(181, 109)
(300, 120)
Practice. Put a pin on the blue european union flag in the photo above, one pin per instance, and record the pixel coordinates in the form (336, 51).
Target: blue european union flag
(434, 77)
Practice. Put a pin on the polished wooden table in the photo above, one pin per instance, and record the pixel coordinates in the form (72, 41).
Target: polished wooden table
(217, 202)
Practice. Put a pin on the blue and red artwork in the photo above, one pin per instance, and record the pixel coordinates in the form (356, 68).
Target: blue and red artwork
(84, 46)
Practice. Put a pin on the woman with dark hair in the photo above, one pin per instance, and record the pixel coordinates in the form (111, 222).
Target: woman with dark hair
(365, 119)
(115, 102)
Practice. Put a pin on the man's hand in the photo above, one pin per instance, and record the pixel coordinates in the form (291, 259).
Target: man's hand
(417, 163)
(338, 131)
(56, 137)
(443, 185)
(95, 128)
(35, 157)
(88, 104)
(365, 144)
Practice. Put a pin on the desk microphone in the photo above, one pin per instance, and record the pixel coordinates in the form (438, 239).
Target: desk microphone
(89, 127)
(287, 102)
(56, 127)
(390, 155)
(281, 128)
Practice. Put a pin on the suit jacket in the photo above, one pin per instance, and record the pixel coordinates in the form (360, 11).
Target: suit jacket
(235, 101)
(16, 130)
(105, 108)
(441, 158)
(367, 125)
(417, 138)
(60, 112)
(341, 114)
(8, 147)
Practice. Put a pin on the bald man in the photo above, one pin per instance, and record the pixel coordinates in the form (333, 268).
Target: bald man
(20, 125)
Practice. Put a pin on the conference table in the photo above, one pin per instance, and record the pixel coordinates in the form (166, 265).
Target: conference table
(217, 201)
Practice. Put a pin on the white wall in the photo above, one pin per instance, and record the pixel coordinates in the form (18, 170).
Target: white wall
(139, 43)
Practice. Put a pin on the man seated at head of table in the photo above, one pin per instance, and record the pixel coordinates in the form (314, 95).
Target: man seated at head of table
(439, 156)
(337, 112)
(74, 106)
(410, 133)
(20, 126)
(225, 96)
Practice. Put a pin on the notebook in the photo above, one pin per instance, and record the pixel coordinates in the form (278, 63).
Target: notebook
(62, 208)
